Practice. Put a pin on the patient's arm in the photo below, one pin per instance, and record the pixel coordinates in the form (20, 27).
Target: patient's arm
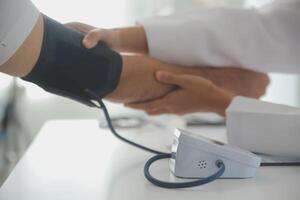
(142, 85)
(137, 83)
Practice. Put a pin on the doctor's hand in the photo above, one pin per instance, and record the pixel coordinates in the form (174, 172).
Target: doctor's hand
(130, 39)
(193, 94)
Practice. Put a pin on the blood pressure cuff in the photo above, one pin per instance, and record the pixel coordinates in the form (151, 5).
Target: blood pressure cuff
(68, 69)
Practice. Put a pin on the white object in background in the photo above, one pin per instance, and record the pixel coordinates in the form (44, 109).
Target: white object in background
(196, 157)
(264, 127)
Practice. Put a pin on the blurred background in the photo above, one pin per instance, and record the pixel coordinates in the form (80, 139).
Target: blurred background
(24, 108)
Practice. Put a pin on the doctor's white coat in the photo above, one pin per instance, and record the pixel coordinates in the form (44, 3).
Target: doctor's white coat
(265, 39)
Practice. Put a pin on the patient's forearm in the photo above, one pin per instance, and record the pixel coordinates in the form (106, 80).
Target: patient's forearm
(239, 81)
(22, 62)
(138, 82)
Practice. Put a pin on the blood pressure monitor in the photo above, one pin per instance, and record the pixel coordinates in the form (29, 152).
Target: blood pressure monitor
(194, 156)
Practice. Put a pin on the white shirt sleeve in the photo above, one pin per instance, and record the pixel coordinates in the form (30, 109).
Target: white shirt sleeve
(17, 19)
(266, 39)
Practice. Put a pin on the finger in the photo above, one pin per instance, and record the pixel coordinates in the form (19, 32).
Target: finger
(92, 38)
(174, 79)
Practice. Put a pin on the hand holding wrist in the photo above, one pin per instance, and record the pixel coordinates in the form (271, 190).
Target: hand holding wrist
(194, 94)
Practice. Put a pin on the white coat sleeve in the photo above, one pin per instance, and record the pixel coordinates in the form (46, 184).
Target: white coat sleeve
(17, 19)
(265, 39)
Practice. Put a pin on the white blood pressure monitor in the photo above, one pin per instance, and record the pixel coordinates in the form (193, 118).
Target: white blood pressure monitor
(194, 156)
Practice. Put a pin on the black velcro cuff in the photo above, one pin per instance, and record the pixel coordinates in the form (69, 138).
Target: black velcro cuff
(66, 68)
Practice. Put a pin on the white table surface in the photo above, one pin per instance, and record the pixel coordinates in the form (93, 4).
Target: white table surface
(75, 160)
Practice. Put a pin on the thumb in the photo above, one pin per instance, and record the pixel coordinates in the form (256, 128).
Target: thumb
(173, 79)
(92, 38)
